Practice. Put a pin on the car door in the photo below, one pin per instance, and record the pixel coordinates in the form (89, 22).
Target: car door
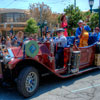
(87, 55)
(84, 56)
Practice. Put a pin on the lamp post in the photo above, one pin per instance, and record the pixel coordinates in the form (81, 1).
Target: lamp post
(11, 31)
(45, 25)
(91, 2)
(95, 10)
(99, 14)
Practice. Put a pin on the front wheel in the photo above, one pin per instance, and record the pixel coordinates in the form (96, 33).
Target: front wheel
(28, 81)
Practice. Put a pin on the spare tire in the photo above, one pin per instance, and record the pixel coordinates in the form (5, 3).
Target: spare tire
(31, 48)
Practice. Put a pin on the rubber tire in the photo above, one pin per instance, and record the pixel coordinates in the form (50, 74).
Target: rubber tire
(21, 81)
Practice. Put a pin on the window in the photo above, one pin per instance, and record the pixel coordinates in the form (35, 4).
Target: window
(13, 17)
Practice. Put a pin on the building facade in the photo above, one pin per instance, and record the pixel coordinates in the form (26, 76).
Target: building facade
(13, 19)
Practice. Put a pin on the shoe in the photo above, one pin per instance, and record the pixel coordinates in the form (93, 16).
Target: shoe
(74, 70)
(59, 67)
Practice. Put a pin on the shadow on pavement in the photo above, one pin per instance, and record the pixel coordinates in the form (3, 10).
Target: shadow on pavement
(47, 84)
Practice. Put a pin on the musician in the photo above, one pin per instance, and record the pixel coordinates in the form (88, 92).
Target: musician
(82, 35)
(64, 25)
(60, 42)
(79, 29)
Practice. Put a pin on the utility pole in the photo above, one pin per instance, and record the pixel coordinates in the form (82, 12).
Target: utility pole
(75, 4)
(41, 20)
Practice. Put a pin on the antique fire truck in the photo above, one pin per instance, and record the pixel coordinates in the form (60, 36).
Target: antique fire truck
(26, 64)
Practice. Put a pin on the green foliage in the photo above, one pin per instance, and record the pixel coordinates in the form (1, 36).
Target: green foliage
(94, 20)
(74, 15)
(86, 16)
(59, 19)
(31, 26)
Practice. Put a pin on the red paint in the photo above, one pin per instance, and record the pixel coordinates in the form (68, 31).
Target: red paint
(47, 59)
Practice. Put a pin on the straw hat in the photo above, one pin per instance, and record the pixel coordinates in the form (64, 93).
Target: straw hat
(60, 30)
(80, 21)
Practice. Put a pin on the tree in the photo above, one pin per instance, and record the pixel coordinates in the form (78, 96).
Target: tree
(74, 15)
(94, 20)
(42, 11)
(86, 16)
(38, 10)
(31, 26)
(54, 20)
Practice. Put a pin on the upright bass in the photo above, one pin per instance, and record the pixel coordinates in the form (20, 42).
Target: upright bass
(84, 38)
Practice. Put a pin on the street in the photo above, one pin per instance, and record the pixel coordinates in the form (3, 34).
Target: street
(82, 87)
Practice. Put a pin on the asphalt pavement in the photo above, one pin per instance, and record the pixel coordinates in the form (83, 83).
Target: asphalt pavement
(82, 87)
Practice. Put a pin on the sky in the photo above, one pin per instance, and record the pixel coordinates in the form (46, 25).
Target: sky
(55, 5)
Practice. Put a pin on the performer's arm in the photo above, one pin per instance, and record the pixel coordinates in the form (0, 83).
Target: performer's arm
(89, 29)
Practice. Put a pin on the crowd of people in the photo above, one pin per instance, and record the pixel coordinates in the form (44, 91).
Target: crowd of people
(15, 40)
(82, 34)
(60, 41)
(12, 40)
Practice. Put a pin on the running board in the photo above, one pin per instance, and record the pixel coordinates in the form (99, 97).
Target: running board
(80, 72)
(61, 70)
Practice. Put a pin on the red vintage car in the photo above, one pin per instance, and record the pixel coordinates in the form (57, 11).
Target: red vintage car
(26, 64)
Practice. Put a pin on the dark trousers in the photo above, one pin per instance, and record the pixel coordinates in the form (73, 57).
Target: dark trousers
(59, 57)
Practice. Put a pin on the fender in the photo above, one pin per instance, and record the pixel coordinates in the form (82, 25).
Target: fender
(12, 64)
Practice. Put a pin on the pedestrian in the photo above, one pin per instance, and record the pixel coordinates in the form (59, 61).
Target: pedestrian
(3, 40)
(48, 38)
(31, 37)
(19, 37)
(35, 37)
(8, 41)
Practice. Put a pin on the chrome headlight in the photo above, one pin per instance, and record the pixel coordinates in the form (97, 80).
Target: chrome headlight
(1, 55)
(8, 57)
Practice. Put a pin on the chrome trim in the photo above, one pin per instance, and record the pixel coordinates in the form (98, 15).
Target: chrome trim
(3, 46)
(1, 60)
